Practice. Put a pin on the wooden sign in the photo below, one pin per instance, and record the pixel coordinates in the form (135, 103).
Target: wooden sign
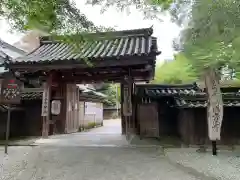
(11, 91)
(45, 100)
(127, 100)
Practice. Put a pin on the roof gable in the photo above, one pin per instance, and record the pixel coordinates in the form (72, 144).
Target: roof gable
(11, 50)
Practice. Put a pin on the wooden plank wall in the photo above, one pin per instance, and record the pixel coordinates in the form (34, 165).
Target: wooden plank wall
(72, 109)
(81, 113)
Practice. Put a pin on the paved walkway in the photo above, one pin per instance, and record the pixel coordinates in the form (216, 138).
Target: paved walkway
(101, 153)
(107, 135)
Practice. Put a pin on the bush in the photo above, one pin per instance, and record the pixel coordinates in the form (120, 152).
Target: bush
(91, 125)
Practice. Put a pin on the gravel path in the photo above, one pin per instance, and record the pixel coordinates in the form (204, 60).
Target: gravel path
(224, 166)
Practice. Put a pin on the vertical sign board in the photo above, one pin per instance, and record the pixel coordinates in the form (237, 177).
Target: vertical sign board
(45, 100)
(127, 100)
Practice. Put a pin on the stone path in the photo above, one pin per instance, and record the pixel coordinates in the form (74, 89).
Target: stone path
(101, 154)
(107, 135)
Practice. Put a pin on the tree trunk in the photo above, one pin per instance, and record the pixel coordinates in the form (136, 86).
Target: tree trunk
(214, 105)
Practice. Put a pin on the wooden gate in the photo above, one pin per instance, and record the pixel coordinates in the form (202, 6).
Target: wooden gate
(148, 120)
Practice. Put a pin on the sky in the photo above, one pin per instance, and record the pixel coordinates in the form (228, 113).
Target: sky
(164, 30)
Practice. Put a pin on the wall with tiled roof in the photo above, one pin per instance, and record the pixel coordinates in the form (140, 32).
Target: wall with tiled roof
(187, 95)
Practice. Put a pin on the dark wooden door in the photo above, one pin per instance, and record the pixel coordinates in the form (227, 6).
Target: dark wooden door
(148, 120)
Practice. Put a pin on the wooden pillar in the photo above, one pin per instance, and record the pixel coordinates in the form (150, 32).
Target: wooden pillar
(64, 108)
(123, 120)
(46, 100)
(133, 117)
(127, 88)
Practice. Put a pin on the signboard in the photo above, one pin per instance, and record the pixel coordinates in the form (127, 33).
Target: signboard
(11, 91)
(214, 122)
(56, 107)
(127, 101)
(45, 100)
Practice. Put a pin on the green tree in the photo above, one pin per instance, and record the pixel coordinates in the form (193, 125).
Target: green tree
(177, 71)
(50, 16)
(112, 92)
(53, 17)
(211, 40)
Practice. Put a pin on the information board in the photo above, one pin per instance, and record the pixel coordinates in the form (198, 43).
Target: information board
(11, 91)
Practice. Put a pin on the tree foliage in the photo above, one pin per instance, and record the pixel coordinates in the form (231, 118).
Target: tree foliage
(59, 18)
(112, 92)
(212, 38)
(149, 8)
(50, 16)
(178, 71)
(211, 34)
(54, 17)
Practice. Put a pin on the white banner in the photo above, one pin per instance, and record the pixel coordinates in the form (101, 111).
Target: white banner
(56, 107)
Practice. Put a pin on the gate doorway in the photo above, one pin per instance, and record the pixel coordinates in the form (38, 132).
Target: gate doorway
(110, 57)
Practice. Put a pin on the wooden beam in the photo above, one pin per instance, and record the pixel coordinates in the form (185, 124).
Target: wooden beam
(46, 118)
(105, 78)
(59, 65)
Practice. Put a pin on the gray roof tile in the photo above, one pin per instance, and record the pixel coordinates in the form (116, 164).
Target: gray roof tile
(105, 45)
(188, 95)
(36, 94)
(183, 103)
(155, 90)
(6, 45)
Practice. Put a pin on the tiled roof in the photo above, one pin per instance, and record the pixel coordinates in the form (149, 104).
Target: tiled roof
(118, 44)
(6, 45)
(153, 90)
(186, 96)
(2, 54)
(36, 93)
(2, 57)
(31, 95)
(201, 103)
